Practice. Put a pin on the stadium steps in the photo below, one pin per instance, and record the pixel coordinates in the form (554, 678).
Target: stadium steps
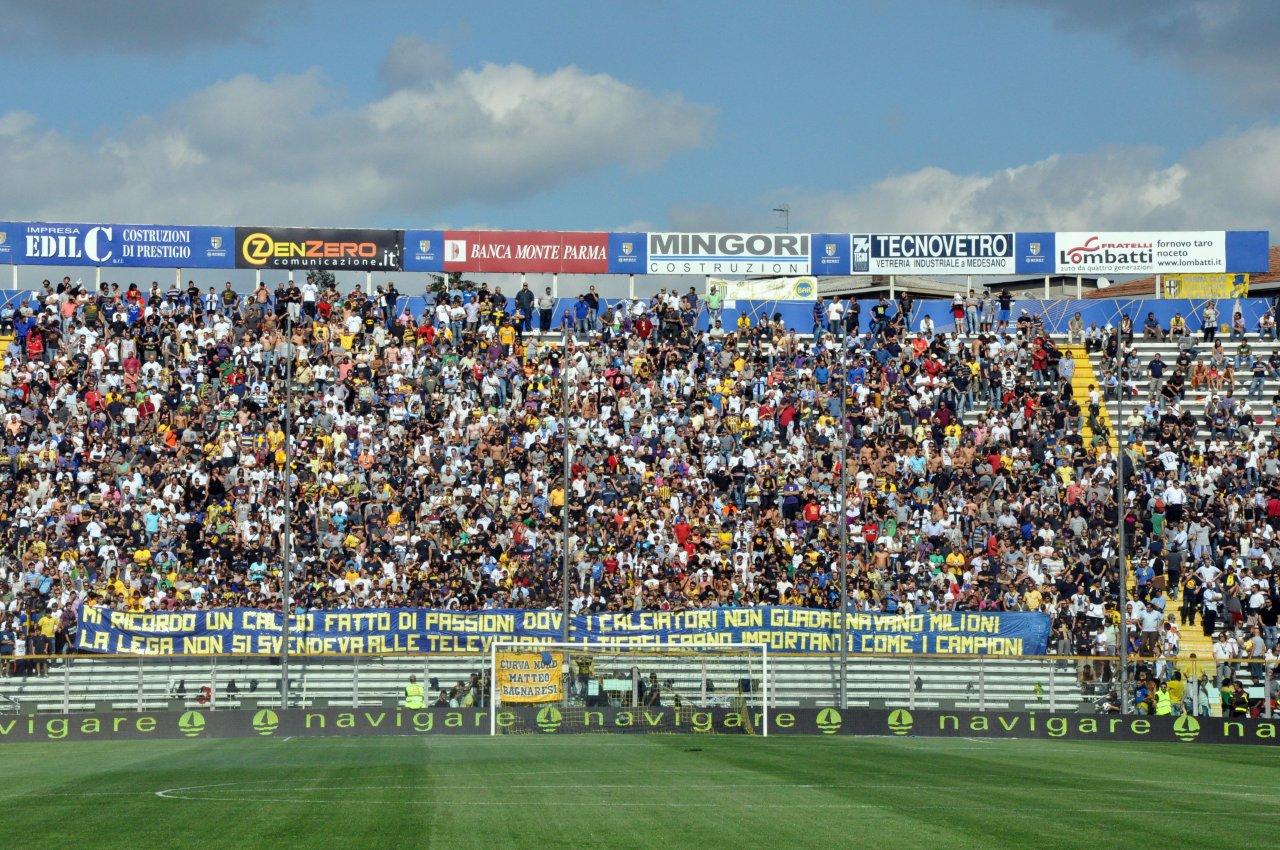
(113, 684)
(1082, 379)
(1196, 400)
(1192, 637)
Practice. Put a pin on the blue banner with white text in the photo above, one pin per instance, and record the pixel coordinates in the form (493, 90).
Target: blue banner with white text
(628, 253)
(1083, 252)
(829, 254)
(43, 243)
(247, 631)
(423, 250)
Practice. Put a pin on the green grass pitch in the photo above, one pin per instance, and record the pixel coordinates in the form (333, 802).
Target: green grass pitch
(637, 791)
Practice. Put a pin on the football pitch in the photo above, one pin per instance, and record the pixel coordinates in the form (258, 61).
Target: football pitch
(637, 791)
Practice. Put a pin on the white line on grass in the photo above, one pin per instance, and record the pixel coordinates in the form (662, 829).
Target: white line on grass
(1142, 807)
(210, 793)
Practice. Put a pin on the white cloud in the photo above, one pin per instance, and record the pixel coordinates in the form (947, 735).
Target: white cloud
(1230, 182)
(289, 149)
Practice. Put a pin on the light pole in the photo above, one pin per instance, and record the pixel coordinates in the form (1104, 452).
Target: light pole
(844, 532)
(287, 568)
(564, 504)
(785, 211)
(1122, 674)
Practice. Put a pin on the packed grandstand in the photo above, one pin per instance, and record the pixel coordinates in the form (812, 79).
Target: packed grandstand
(145, 444)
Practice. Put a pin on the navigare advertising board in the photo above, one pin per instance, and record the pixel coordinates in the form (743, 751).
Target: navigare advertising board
(240, 715)
(534, 251)
(317, 248)
(933, 253)
(109, 245)
(729, 253)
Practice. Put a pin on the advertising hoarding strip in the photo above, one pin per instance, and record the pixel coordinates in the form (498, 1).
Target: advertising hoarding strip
(112, 245)
(271, 723)
(279, 248)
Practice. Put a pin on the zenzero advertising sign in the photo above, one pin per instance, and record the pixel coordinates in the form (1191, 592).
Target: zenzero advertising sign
(729, 253)
(1127, 252)
(315, 248)
(546, 251)
(933, 253)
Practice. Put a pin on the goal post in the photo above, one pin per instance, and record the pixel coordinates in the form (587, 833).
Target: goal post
(628, 687)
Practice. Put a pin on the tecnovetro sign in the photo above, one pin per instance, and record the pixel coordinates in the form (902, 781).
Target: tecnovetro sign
(133, 245)
(729, 253)
(933, 253)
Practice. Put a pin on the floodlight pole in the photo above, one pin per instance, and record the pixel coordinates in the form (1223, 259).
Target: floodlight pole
(287, 568)
(843, 519)
(564, 504)
(1123, 648)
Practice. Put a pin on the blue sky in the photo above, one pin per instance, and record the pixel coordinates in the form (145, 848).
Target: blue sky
(877, 115)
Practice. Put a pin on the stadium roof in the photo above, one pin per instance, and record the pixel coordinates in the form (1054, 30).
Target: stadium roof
(1268, 281)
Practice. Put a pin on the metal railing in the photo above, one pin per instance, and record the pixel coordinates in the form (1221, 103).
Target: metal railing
(1053, 683)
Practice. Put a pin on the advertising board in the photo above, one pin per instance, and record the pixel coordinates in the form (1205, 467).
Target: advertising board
(316, 247)
(729, 253)
(933, 253)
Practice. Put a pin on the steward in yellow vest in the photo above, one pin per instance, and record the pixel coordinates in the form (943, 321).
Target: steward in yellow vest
(414, 695)
(1164, 705)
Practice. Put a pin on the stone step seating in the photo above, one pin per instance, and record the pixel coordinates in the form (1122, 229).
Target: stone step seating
(109, 684)
(1196, 400)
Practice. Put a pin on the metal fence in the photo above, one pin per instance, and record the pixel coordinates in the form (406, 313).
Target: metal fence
(1051, 683)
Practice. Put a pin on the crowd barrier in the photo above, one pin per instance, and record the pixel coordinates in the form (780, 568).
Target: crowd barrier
(88, 683)
(179, 698)
(1055, 314)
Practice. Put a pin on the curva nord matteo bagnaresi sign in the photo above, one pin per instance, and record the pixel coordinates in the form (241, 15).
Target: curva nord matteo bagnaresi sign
(559, 720)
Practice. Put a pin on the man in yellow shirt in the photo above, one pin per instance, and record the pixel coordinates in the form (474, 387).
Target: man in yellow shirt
(46, 630)
(507, 337)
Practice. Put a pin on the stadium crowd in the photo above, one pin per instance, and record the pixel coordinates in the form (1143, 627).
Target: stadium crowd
(144, 454)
